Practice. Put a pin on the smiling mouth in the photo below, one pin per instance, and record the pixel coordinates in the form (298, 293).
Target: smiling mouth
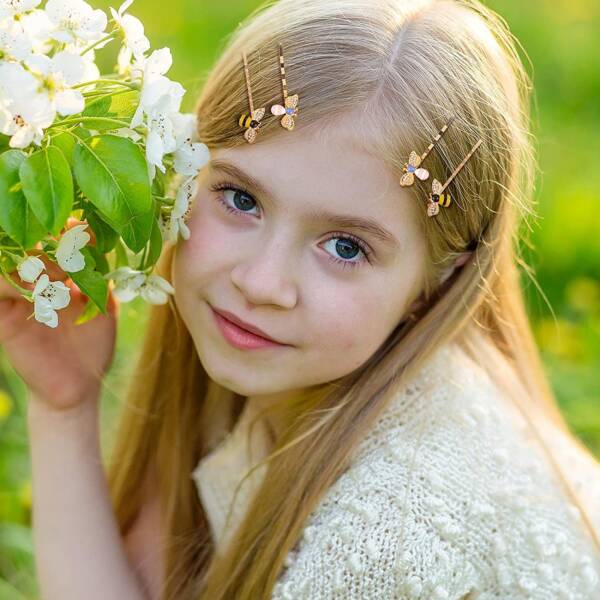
(239, 336)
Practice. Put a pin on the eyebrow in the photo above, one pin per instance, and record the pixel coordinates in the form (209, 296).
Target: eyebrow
(364, 224)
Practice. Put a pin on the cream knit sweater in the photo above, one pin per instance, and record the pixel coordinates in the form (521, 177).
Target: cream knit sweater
(449, 496)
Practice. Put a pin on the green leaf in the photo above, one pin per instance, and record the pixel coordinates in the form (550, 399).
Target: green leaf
(9, 592)
(16, 216)
(81, 132)
(121, 105)
(66, 143)
(91, 282)
(106, 236)
(124, 105)
(4, 142)
(121, 258)
(158, 185)
(98, 107)
(155, 246)
(98, 123)
(7, 263)
(49, 245)
(48, 187)
(100, 258)
(90, 310)
(112, 172)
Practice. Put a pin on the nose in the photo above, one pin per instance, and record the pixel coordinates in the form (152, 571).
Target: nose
(266, 276)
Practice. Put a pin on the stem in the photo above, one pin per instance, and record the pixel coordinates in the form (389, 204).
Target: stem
(26, 293)
(11, 254)
(144, 254)
(109, 81)
(84, 120)
(110, 36)
(102, 92)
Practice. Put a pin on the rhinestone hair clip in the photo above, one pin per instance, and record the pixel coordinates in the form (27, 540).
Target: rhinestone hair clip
(289, 109)
(413, 167)
(250, 122)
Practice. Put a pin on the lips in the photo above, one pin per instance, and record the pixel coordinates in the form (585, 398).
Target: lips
(247, 326)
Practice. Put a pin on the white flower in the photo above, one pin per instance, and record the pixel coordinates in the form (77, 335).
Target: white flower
(159, 94)
(68, 255)
(37, 27)
(30, 99)
(29, 268)
(159, 141)
(159, 98)
(130, 283)
(24, 112)
(48, 297)
(190, 156)
(25, 121)
(90, 70)
(15, 8)
(135, 43)
(57, 74)
(176, 224)
(14, 43)
(155, 290)
(158, 63)
(184, 125)
(75, 19)
(127, 282)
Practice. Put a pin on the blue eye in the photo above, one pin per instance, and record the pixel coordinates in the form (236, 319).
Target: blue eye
(347, 244)
(349, 241)
(240, 198)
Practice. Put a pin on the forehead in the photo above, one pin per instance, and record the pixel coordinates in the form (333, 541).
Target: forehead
(326, 167)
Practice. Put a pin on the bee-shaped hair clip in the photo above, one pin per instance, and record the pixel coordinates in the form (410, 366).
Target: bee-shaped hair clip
(289, 110)
(250, 122)
(413, 166)
(437, 197)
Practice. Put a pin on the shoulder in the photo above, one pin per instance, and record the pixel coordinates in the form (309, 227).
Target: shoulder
(444, 497)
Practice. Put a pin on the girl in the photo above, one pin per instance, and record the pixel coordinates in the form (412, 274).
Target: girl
(390, 433)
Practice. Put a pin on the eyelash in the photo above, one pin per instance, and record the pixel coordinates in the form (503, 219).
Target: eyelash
(336, 235)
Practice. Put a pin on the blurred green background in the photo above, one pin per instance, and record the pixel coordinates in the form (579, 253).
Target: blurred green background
(561, 39)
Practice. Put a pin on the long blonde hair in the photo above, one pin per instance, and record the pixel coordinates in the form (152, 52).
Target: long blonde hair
(399, 68)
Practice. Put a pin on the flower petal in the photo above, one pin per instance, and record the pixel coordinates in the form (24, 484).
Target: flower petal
(161, 283)
(69, 102)
(30, 268)
(41, 284)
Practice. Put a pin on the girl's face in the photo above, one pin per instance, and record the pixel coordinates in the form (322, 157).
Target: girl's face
(266, 251)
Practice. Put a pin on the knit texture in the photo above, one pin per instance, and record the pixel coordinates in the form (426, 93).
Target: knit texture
(448, 496)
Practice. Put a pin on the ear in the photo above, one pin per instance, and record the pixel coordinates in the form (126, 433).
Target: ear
(460, 260)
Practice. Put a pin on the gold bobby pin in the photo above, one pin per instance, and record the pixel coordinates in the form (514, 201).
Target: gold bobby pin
(413, 166)
(437, 197)
(251, 122)
(290, 103)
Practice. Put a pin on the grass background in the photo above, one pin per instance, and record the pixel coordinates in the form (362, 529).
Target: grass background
(560, 37)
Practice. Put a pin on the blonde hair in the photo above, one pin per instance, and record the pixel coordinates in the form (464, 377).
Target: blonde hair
(398, 69)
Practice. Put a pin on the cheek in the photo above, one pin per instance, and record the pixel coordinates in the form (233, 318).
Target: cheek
(200, 256)
(351, 324)
(346, 332)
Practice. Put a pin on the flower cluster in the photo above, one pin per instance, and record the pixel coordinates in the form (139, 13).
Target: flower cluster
(114, 152)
